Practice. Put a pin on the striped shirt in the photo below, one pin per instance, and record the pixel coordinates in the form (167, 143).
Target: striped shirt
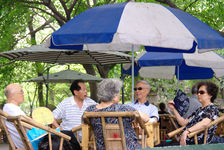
(70, 113)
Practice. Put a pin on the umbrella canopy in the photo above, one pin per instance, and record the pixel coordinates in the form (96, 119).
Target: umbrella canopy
(40, 53)
(121, 26)
(187, 66)
(66, 76)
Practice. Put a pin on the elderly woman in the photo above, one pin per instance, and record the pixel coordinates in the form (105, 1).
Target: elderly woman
(207, 92)
(109, 96)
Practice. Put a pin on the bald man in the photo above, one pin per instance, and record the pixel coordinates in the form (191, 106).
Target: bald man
(15, 97)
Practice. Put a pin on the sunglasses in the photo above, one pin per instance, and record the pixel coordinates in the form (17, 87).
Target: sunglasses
(139, 88)
(201, 92)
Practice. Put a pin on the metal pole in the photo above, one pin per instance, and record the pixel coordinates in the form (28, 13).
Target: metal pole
(47, 86)
(122, 89)
(178, 76)
(132, 73)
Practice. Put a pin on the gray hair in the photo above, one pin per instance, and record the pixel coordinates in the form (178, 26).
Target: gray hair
(144, 82)
(108, 88)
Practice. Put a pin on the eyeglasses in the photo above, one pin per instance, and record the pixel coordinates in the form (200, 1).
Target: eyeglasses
(201, 92)
(139, 88)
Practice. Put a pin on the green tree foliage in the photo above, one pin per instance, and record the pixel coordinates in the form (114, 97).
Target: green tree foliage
(27, 22)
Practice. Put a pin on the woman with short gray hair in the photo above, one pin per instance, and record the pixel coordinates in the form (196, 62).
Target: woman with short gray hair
(109, 96)
(108, 89)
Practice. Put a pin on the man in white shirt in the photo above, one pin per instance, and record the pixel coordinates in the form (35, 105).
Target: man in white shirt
(142, 89)
(15, 97)
(71, 109)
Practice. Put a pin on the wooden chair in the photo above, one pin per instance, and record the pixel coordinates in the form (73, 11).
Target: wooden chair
(4, 116)
(194, 134)
(154, 134)
(111, 142)
(167, 124)
(23, 123)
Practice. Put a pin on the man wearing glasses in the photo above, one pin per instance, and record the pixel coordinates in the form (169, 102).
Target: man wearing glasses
(15, 98)
(142, 89)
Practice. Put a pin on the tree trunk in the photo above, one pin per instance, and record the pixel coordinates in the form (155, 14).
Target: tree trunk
(93, 87)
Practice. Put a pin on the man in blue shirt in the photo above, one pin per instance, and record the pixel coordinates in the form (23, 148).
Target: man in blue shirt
(142, 89)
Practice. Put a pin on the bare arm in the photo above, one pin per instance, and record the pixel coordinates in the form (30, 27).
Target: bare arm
(55, 123)
(202, 124)
(181, 121)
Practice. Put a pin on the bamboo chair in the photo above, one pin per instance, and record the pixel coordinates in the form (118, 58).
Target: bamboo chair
(194, 134)
(154, 134)
(4, 116)
(111, 142)
(167, 124)
(22, 123)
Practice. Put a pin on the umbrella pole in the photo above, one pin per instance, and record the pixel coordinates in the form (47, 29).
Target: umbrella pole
(132, 74)
(122, 89)
(178, 76)
(47, 86)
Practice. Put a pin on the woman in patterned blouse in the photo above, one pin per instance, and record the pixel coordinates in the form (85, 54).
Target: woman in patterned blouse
(207, 92)
(109, 96)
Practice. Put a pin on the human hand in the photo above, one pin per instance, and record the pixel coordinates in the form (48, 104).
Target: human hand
(171, 105)
(144, 116)
(183, 138)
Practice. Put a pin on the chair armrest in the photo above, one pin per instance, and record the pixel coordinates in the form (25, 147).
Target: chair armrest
(216, 121)
(24, 121)
(78, 128)
(141, 123)
(175, 132)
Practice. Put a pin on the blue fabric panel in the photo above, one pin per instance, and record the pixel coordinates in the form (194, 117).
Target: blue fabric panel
(206, 37)
(190, 73)
(69, 47)
(96, 25)
(160, 59)
(171, 50)
(129, 71)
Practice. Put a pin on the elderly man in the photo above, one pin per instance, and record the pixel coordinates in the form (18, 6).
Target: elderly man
(15, 97)
(142, 89)
(70, 110)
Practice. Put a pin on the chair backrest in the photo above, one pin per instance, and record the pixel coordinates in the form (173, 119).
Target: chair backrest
(194, 134)
(4, 116)
(114, 137)
(167, 125)
(23, 123)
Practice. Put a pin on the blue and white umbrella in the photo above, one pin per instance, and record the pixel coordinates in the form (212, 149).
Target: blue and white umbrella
(128, 26)
(121, 26)
(163, 65)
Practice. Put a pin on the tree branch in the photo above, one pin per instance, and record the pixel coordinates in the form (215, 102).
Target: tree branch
(65, 9)
(60, 22)
(190, 5)
(168, 2)
(72, 7)
(30, 2)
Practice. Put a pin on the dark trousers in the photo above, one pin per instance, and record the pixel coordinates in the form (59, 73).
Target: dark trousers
(74, 143)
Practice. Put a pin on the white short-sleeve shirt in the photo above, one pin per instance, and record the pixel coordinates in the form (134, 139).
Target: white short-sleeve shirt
(70, 113)
(13, 110)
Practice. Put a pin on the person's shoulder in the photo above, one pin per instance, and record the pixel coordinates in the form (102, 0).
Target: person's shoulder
(91, 108)
(9, 106)
(126, 107)
(153, 106)
(89, 100)
(67, 100)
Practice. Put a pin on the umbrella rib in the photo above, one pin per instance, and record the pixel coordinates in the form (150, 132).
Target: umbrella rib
(58, 57)
(93, 58)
